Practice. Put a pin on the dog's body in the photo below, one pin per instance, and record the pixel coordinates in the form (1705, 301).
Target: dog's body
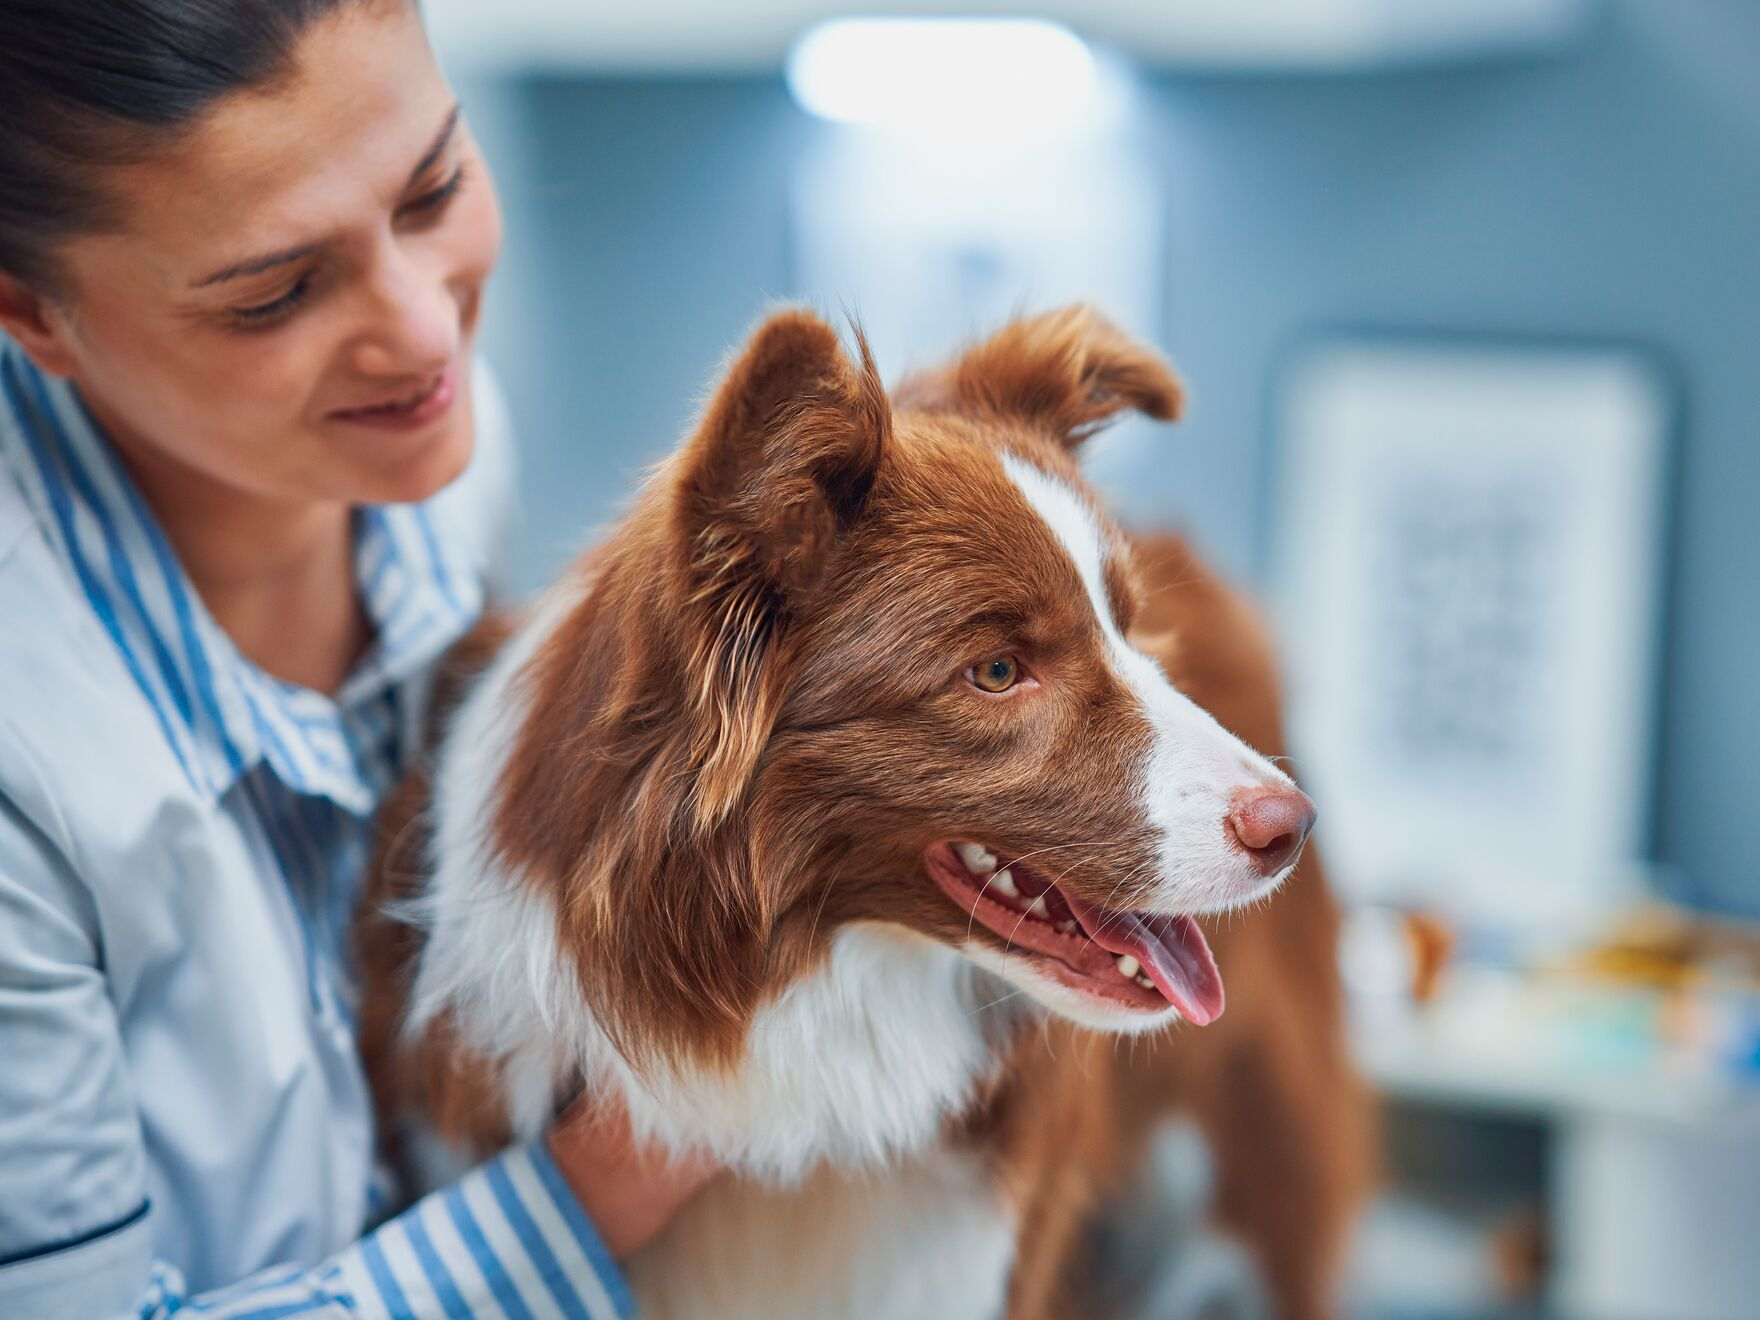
(1270, 1085)
(716, 829)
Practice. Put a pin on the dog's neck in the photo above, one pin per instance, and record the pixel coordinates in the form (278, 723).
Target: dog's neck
(864, 1058)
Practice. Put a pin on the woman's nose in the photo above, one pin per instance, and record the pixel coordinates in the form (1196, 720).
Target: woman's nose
(414, 330)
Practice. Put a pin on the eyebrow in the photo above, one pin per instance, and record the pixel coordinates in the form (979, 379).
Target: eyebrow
(438, 146)
(257, 265)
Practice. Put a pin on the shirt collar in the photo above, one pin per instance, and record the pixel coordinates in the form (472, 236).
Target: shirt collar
(221, 714)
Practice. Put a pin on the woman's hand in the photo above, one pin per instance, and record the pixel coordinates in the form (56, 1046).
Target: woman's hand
(630, 1192)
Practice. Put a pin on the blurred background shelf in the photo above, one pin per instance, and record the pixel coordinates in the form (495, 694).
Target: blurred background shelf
(1423, 1062)
(1576, 1135)
(1636, 1201)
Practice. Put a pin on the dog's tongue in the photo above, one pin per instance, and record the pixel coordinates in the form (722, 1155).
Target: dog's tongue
(1172, 951)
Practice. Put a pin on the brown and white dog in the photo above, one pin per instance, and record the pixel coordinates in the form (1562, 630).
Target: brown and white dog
(825, 816)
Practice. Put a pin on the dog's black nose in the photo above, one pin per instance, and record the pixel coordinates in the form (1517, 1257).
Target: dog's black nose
(1271, 825)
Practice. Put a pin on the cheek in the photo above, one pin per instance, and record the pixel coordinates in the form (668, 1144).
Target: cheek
(473, 234)
(1054, 766)
(185, 387)
(1101, 775)
(223, 405)
(256, 407)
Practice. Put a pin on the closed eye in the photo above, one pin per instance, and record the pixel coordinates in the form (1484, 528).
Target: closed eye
(276, 309)
(436, 200)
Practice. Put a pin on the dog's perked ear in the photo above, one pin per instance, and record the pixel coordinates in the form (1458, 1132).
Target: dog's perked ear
(784, 457)
(779, 469)
(1070, 371)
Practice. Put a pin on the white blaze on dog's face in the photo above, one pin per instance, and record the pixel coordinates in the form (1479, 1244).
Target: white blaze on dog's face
(972, 724)
(1189, 777)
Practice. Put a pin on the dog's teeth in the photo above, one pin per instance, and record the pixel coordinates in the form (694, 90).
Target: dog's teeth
(1067, 927)
(1128, 966)
(1145, 982)
(978, 858)
(1003, 883)
(1037, 907)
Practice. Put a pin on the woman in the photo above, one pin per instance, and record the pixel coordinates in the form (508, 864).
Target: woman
(250, 490)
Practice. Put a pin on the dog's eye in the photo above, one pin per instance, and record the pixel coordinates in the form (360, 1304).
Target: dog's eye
(995, 675)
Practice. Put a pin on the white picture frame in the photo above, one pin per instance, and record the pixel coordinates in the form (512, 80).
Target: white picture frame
(1467, 571)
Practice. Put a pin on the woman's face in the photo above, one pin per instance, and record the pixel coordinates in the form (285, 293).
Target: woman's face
(289, 305)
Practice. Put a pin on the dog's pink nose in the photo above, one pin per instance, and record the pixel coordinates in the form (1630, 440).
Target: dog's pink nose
(1271, 825)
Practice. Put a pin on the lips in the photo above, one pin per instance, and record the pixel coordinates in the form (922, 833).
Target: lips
(1140, 960)
(413, 407)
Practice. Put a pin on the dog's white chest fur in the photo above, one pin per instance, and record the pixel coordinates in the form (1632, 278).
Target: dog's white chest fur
(847, 1200)
(931, 1237)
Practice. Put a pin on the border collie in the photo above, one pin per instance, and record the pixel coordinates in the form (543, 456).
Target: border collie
(827, 817)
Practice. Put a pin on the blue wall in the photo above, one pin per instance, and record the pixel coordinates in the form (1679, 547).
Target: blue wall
(1613, 193)
(647, 228)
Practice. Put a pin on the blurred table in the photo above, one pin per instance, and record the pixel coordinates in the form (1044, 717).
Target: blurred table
(1653, 1189)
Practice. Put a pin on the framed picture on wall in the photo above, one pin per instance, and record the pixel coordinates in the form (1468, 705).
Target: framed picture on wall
(1468, 562)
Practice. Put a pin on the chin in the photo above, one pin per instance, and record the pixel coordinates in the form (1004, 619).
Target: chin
(427, 465)
(444, 462)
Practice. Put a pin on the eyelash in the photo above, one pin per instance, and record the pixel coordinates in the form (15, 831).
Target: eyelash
(267, 314)
(437, 199)
(253, 318)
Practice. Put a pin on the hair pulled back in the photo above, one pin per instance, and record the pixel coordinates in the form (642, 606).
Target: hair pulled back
(86, 84)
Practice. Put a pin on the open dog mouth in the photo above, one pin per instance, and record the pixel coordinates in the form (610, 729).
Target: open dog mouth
(1140, 960)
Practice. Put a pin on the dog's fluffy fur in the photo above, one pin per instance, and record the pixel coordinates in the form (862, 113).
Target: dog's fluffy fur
(690, 841)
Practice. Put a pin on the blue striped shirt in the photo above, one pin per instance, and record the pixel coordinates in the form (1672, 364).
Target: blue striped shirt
(184, 1124)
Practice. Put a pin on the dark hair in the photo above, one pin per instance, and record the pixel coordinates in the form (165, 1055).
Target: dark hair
(90, 83)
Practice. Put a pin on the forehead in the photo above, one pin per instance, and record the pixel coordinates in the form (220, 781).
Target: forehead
(286, 164)
(993, 524)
